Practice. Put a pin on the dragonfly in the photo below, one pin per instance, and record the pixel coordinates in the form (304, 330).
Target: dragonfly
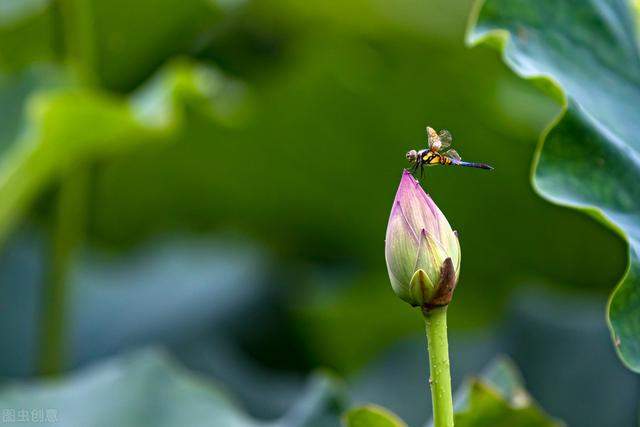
(439, 152)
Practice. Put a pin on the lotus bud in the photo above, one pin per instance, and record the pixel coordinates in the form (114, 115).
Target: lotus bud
(421, 249)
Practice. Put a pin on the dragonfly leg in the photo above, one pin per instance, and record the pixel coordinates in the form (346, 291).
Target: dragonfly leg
(414, 169)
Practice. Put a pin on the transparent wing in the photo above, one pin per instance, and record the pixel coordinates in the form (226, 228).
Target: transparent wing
(445, 138)
(452, 154)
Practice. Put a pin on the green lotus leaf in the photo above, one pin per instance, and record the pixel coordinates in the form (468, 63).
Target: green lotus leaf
(585, 54)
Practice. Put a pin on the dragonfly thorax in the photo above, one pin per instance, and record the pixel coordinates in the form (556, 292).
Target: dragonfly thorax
(422, 153)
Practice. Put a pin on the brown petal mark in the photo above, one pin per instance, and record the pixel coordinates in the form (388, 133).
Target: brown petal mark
(446, 286)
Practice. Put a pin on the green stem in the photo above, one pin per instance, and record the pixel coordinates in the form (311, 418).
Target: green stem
(79, 38)
(440, 379)
(67, 232)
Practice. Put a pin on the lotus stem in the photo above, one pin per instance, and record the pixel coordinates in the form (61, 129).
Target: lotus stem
(439, 368)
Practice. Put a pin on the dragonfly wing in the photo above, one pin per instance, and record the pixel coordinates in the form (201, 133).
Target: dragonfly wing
(433, 140)
(445, 138)
(453, 154)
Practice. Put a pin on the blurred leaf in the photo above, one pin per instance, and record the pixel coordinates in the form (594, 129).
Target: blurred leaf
(487, 408)
(371, 416)
(502, 376)
(66, 128)
(148, 389)
(15, 91)
(265, 392)
(586, 55)
(166, 292)
(498, 398)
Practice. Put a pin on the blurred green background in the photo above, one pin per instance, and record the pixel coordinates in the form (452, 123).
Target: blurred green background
(214, 179)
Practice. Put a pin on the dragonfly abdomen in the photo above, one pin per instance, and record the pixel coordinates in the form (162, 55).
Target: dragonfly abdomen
(471, 165)
(445, 160)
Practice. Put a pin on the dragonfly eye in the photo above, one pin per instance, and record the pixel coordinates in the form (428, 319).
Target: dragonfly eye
(412, 156)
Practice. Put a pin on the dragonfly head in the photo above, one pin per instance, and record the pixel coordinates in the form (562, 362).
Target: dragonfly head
(412, 156)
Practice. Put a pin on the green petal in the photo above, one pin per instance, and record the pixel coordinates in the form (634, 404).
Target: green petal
(400, 253)
(422, 288)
